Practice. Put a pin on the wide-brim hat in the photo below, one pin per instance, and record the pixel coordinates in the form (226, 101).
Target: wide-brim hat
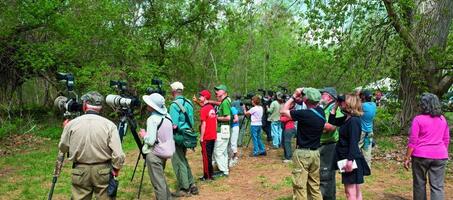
(156, 101)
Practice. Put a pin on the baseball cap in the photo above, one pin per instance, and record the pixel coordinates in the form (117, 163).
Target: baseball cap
(221, 87)
(331, 91)
(366, 93)
(206, 94)
(177, 86)
(312, 94)
(93, 98)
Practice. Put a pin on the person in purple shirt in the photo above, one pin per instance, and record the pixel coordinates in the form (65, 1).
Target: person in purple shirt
(427, 148)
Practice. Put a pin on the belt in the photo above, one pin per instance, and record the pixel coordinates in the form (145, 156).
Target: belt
(311, 148)
(96, 163)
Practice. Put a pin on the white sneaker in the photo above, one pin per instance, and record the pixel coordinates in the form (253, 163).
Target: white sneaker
(287, 161)
(233, 162)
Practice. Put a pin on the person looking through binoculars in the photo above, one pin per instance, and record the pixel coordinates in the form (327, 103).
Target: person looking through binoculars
(310, 125)
(94, 148)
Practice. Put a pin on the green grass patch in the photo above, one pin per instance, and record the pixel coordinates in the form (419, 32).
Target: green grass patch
(386, 144)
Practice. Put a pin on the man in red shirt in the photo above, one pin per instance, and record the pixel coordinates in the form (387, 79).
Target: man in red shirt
(208, 132)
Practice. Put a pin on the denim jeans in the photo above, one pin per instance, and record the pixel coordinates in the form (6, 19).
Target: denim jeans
(276, 133)
(258, 146)
(288, 136)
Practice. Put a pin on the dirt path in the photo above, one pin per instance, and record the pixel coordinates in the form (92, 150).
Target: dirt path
(268, 178)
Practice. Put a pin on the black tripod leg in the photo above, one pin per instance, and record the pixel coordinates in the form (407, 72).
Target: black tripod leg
(141, 180)
(250, 138)
(135, 168)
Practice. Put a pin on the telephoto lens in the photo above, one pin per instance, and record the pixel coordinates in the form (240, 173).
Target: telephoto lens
(60, 103)
(118, 101)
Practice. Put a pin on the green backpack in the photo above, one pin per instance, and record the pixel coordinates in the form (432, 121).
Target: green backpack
(186, 137)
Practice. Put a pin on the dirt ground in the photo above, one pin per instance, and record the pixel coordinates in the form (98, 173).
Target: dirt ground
(268, 178)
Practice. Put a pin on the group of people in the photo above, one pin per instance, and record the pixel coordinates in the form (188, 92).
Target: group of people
(333, 132)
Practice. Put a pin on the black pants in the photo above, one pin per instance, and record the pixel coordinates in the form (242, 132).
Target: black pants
(207, 148)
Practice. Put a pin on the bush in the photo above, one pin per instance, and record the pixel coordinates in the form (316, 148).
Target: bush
(386, 122)
(16, 126)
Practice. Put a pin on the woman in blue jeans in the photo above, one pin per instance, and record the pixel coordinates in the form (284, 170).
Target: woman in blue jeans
(255, 114)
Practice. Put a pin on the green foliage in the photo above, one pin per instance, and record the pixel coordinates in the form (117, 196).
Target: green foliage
(386, 122)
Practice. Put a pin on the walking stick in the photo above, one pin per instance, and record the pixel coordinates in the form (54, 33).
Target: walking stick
(56, 173)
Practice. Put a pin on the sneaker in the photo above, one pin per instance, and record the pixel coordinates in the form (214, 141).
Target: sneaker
(233, 162)
(263, 154)
(219, 174)
(287, 161)
(181, 193)
(194, 189)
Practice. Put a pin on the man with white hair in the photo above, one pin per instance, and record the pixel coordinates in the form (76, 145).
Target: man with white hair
(223, 130)
(94, 148)
(185, 181)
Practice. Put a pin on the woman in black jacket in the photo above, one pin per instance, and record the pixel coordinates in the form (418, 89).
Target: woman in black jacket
(348, 145)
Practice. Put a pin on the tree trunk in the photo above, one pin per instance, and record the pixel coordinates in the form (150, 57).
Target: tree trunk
(407, 93)
(425, 33)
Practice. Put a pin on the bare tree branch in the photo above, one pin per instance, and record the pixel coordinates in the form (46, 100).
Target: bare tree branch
(445, 84)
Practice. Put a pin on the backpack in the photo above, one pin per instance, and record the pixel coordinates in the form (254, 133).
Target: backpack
(164, 149)
(186, 137)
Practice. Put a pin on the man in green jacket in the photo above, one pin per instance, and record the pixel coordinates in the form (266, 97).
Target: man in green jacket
(185, 182)
(329, 139)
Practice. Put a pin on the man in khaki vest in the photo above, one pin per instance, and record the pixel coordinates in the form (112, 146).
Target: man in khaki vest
(94, 148)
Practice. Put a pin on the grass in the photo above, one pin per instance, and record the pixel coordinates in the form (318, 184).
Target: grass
(27, 173)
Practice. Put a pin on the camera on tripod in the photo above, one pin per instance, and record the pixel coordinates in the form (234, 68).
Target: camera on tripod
(124, 100)
(69, 103)
(247, 101)
(266, 100)
(158, 88)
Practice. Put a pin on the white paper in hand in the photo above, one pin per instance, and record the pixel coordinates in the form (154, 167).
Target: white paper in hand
(342, 163)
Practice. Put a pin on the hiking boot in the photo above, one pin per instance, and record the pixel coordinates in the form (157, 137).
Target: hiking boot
(263, 154)
(194, 189)
(181, 193)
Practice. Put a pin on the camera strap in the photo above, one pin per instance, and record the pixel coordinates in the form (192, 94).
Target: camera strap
(158, 127)
(319, 115)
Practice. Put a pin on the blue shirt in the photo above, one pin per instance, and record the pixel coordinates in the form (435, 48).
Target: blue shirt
(234, 112)
(369, 111)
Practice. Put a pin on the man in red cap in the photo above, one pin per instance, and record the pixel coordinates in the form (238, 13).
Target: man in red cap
(208, 132)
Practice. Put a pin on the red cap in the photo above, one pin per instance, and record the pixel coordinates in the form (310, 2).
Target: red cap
(206, 94)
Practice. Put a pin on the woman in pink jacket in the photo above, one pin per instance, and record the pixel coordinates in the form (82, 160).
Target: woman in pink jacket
(428, 148)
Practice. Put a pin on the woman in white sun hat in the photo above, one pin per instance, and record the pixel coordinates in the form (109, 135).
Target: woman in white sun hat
(158, 143)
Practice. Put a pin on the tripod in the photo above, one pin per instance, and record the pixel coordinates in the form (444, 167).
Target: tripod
(245, 123)
(127, 117)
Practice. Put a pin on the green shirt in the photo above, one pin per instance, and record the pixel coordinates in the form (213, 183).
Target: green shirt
(224, 110)
(274, 111)
(329, 137)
